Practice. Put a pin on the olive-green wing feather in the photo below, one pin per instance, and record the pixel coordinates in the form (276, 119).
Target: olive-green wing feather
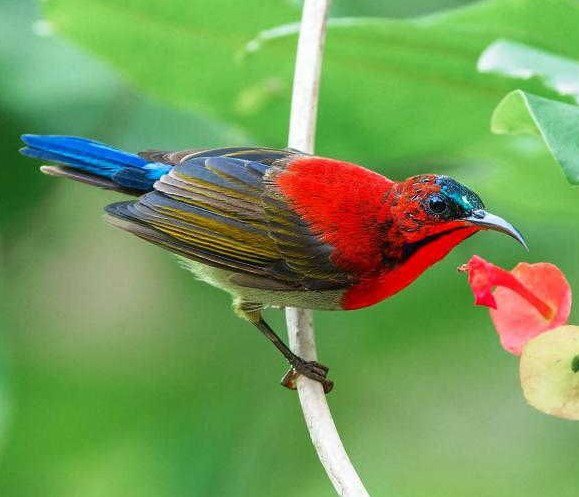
(219, 210)
(263, 155)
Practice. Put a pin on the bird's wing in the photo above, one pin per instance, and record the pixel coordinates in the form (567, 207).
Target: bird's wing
(220, 210)
(263, 155)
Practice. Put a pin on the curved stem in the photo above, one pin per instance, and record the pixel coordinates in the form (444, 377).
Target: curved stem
(317, 414)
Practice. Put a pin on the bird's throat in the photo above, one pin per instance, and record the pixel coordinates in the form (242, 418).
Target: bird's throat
(417, 258)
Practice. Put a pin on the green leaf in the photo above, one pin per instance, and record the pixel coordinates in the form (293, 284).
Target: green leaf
(555, 122)
(393, 90)
(521, 61)
(38, 96)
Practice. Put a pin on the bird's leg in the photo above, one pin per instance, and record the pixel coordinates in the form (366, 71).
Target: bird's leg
(311, 369)
(299, 366)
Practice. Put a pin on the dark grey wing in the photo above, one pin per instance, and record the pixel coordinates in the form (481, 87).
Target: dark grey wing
(219, 211)
(263, 155)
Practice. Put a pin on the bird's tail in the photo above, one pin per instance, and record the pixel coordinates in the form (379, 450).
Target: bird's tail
(94, 163)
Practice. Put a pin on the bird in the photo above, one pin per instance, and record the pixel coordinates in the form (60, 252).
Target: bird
(278, 227)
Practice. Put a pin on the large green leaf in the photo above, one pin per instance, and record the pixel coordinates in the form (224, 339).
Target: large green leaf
(523, 62)
(555, 122)
(38, 96)
(392, 90)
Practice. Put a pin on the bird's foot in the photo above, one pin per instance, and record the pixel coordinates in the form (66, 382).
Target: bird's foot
(311, 369)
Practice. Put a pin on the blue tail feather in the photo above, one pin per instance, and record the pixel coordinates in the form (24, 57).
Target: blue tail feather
(123, 168)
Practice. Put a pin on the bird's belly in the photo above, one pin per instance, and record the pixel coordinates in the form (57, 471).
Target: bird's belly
(220, 278)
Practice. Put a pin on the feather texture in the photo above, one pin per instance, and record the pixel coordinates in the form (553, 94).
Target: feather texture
(220, 210)
(94, 163)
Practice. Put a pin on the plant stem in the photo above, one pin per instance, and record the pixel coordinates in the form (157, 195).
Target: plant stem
(304, 106)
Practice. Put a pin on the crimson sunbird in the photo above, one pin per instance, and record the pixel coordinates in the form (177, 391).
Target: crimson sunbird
(278, 228)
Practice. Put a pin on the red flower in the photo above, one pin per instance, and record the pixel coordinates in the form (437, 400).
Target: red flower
(525, 302)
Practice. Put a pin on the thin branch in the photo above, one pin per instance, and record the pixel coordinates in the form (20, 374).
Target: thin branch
(304, 108)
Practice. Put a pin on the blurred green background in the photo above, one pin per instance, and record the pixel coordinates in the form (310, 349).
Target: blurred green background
(120, 375)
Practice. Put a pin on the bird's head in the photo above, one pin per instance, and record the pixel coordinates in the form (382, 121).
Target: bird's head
(430, 208)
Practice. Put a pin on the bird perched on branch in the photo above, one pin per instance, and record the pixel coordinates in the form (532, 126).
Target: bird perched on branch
(278, 227)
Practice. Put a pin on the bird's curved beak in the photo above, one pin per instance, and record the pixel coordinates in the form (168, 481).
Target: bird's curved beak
(486, 220)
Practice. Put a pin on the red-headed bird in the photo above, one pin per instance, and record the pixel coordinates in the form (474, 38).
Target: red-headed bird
(278, 227)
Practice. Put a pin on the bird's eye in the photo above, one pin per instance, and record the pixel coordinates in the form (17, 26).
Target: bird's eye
(437, 204)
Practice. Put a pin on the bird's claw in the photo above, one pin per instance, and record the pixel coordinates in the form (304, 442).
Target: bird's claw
(311, 369)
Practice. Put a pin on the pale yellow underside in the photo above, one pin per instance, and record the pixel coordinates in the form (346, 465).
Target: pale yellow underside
(324, 300)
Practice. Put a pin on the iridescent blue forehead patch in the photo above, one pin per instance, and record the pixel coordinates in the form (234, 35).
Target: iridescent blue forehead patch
(466, 199)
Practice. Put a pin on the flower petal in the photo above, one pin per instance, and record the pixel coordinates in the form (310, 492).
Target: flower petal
(480, 278)
(525, 302)
(516, 320)
(548, 372)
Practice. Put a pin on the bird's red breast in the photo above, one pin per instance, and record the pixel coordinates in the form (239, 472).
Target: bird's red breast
(341, 203)
(353, 209)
